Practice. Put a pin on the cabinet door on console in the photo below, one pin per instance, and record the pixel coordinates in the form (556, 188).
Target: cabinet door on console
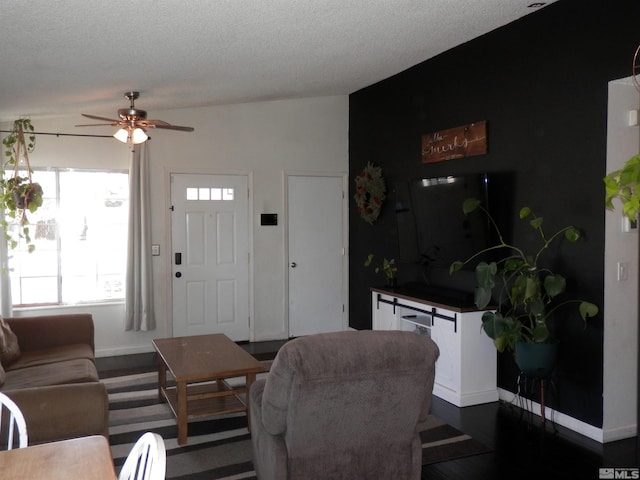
(384, 315)
(448, 364)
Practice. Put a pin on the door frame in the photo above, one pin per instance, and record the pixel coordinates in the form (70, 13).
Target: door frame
(168, 171)
(345, 240)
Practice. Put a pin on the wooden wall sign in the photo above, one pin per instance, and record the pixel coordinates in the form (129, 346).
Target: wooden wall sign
(465, 141)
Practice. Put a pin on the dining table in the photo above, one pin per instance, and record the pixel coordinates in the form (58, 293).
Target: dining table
(84, 458)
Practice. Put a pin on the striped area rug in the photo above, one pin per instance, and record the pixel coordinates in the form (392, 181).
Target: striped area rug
(220, 447)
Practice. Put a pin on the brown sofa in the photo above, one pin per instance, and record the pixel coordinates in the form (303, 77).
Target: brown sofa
(54, 381)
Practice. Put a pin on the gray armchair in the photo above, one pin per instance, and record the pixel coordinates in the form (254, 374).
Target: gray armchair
(344, 405)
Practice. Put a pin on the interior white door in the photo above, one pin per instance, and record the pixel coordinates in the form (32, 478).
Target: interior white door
(316, 254)
(210, 242)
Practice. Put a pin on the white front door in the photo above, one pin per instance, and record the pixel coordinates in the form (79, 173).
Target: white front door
(210, 243)
(316, 254)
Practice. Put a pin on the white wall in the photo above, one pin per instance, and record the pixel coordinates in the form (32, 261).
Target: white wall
(264, 140)
(621, 297)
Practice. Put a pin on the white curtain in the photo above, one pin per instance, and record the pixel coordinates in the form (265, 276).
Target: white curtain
(139, 296)
(6, 303)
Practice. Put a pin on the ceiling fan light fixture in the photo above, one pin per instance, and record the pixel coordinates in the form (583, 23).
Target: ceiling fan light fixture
(136, 135)
(122, 135)
(139, 136)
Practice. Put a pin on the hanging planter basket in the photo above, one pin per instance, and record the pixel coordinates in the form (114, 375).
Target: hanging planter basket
(370, 193)
(19, 194)
(27, 196)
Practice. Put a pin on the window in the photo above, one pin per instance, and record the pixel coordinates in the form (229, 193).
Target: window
(224, 194)
(80, 235)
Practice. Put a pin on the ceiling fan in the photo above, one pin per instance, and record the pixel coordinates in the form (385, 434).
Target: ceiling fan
(133, 122)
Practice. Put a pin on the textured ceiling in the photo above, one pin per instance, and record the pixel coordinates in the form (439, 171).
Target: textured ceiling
(73, 56)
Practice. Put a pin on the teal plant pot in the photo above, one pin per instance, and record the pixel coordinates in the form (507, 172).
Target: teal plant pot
(536, 359)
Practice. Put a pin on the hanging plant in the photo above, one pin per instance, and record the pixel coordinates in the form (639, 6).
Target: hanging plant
(19, 194)
(370, 193)
(624, 185)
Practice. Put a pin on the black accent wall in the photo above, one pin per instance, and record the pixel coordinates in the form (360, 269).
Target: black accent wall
(541, 84)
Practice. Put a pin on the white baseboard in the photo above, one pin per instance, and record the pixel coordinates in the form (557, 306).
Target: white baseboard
(578, 426)
(128, 350)
(620, 433)
(465, 400)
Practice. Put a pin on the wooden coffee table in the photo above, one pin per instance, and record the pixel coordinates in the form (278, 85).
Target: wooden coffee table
(199, 365)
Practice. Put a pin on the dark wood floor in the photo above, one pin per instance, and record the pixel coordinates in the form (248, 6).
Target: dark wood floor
(522, 449)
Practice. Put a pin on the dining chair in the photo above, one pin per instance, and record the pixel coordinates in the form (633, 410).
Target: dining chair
(147, 459)
(12, 420)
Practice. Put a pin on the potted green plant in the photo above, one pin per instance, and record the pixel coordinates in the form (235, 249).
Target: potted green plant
(19, 194)
(528, 295)
(387, 267)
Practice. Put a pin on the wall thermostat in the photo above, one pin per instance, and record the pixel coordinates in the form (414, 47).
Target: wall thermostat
(268, 219)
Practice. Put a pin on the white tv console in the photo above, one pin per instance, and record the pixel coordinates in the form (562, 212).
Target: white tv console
(467, 367)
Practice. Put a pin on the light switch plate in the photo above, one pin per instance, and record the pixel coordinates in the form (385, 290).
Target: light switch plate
(155, 250)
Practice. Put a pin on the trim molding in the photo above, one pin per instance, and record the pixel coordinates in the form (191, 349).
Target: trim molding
(595, 433)
(129, 350)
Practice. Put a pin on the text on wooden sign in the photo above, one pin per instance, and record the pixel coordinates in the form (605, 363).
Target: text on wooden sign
(465, 141)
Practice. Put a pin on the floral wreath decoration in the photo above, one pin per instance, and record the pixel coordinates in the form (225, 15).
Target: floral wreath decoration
(370, 192)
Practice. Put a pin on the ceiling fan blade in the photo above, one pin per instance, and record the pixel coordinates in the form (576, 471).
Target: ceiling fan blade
(162, 124)
(168, 126)
(94, 117)
(98, 125)
(151, 123)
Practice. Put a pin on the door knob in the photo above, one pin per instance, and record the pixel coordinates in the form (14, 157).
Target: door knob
(178, 274)
(294, 264)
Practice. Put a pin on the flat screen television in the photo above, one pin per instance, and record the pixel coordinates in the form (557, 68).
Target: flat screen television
(433, 231)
